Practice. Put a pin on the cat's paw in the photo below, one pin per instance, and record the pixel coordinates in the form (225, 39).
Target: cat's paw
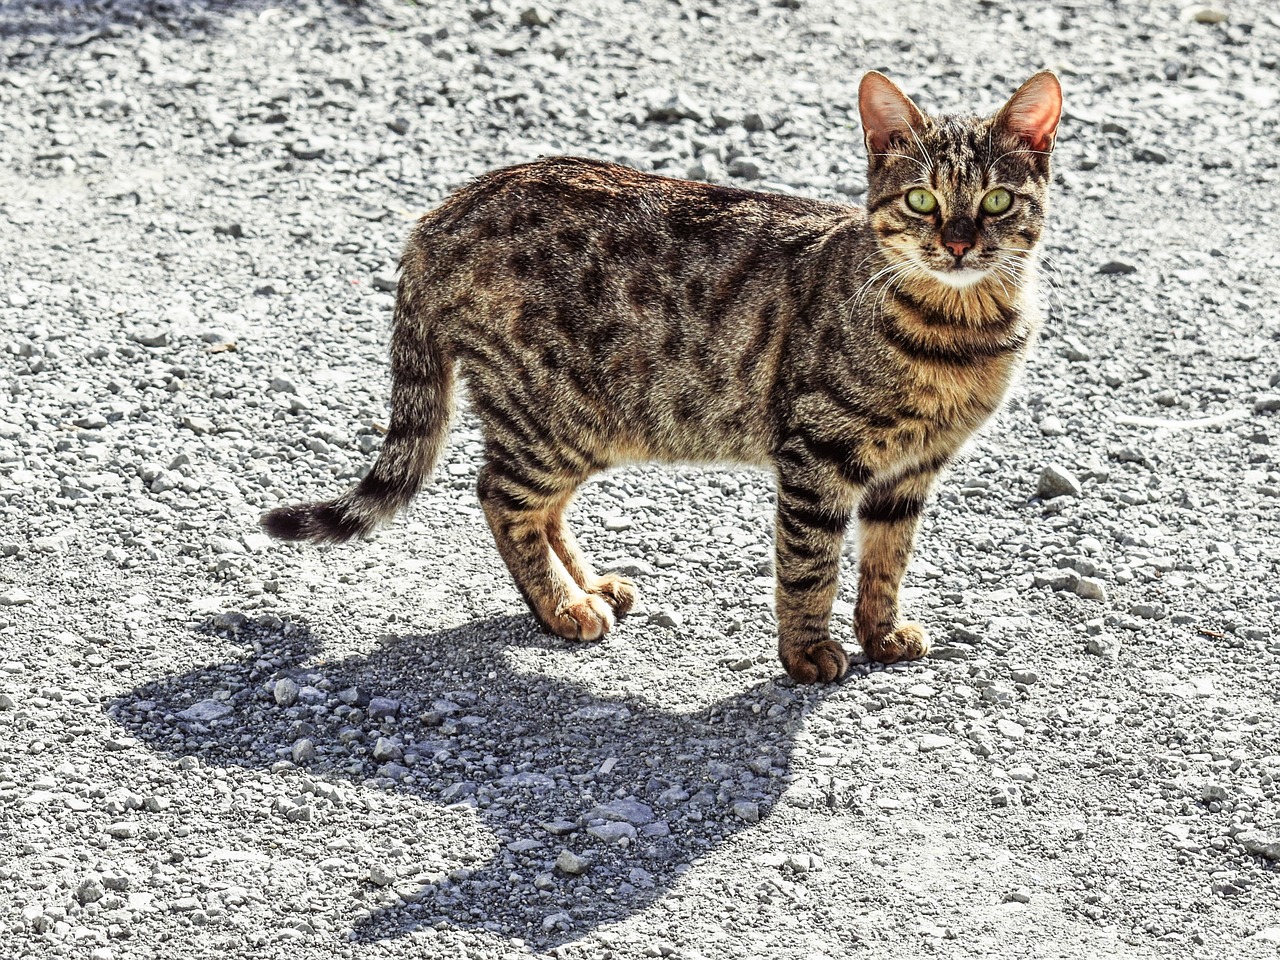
(588, 618)
(820, 662)
(617, 591)
(907, 642)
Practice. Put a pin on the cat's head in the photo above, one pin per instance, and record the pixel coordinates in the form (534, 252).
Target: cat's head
(959, 200)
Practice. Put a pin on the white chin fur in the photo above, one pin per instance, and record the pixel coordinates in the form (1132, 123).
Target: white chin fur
(958, 279)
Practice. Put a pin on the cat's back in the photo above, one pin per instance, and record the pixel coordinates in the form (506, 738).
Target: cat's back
(563, 192)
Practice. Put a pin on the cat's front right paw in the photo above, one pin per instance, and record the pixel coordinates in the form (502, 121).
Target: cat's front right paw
(588, 618)
(821, 662)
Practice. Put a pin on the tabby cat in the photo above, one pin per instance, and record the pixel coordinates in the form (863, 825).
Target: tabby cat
(604, 316)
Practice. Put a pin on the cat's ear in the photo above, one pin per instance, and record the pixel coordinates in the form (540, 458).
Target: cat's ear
(887, 113)
(1033, 112)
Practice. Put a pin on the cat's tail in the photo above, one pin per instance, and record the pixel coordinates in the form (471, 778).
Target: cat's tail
(421, 408)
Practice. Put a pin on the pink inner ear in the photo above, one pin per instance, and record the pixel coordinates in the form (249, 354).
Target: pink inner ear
(886, 113)
(1034, 112)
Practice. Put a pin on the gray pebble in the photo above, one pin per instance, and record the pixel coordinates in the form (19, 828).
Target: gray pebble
(1117, 267)
(1104, 645)
(747, 810)
(206, 711)
(667, 617)
(1057, 481)
(570, 863)
(150, 336)
(1091, 588)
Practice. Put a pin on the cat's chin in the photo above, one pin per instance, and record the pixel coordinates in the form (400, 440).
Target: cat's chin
(958, 279)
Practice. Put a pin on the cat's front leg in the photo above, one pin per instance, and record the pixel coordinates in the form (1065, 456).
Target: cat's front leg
(888, 517)
(813, 512)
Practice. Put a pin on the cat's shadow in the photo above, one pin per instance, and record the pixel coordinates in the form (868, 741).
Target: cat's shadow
(541, 761)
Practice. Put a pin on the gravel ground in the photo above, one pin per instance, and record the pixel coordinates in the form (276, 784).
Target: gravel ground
(212, 745)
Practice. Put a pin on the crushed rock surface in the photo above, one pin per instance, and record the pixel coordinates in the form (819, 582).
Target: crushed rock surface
(212, 744)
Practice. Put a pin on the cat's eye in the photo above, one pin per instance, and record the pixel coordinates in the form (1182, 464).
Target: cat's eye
(997, 201)
(921, 200)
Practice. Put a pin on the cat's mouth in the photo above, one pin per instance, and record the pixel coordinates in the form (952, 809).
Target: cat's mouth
(958, 277)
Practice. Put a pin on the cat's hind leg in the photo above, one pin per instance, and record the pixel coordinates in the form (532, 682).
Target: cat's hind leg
(520, 509)
(617, 591)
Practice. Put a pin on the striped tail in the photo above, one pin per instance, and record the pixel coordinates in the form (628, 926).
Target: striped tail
(421, 408)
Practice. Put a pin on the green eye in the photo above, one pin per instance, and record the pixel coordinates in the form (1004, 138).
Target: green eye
(997, 201)
(921, 200)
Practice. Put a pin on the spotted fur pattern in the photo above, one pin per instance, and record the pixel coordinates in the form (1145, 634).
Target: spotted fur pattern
(603, 316)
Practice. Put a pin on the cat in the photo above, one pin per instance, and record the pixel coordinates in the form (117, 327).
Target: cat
(604, 316)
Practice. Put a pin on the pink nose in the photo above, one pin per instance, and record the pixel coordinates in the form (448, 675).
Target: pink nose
(958, 247)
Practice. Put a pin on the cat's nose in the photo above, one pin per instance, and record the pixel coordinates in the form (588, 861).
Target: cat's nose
(959, 235)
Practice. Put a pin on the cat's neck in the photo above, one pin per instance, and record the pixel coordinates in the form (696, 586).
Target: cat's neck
(993, 299)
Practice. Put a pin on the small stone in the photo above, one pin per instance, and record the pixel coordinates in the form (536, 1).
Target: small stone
(1010, 729)
(206, 711)
(1052, 426)
(746, 168)
(1150, 155)
(997, 693)
(16, 597)
(90, 889)
(1091, 588)
(200, 426)
(747, 811)
(570, 863)
(1211, 16)
(380, 708)
(282, 384)
(386, 749)
(150, 336)
(1104, 645)
(616, 523)
(385, 281)
(535, 16)
(663, 105)
(627, 808)
(102, 953)
(629, 567)
(1057, 481)
(1213, 792)
(303, 751)
(1267, 403)
(1257, 842)
(1117, 268)
(670, 619)
(1057, 580)
(123, 830)
(312, 148)
(613, 832)
(1074, 350)
(250, 134)
(1148, 611)
(381, 876)
(929, 742)
(1018, 895)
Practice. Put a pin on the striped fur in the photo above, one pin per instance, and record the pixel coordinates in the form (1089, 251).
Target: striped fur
(602, 316)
